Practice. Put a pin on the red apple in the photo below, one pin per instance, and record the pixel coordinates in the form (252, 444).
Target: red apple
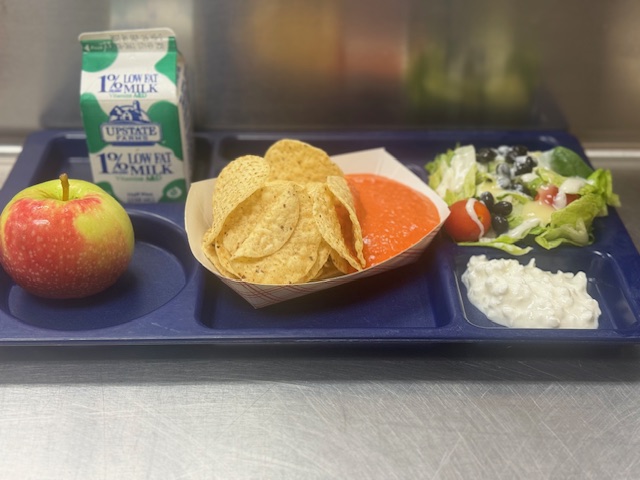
(65, 239)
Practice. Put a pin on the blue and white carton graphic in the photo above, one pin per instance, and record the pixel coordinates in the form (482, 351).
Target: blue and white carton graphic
(135, 111)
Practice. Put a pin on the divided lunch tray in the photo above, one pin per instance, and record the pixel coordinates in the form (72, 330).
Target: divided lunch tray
(167, 297)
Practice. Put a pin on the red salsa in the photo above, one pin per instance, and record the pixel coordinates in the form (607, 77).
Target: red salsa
(393, 216)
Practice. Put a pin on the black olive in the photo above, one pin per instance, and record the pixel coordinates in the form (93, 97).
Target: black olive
(525, 166)
(502, 208)
(487, 199)
(519, 150)
(504, 183)
(504, 170)
(485, 155)
(510, 157)
(499, 224)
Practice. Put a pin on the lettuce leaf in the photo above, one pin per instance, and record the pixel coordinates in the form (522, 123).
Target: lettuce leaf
(510, 248)
(507, 241)
(437, 168)
(533, 183)
(568, 163)
(549, 176)
(572, 224)
(601, 179)
(453, 174)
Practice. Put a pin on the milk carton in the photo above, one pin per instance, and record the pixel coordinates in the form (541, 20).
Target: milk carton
(135, 111)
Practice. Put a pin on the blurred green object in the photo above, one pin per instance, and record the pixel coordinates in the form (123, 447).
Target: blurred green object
(469, 87)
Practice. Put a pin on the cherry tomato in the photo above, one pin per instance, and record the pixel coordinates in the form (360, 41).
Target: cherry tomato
(461, 227)
(546, 194)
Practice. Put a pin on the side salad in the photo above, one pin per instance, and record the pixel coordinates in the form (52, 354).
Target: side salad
(499, 196)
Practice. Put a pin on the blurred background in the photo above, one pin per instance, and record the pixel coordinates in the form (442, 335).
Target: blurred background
(326, 64)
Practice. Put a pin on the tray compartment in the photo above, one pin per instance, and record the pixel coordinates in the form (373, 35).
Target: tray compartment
(404, 294)
(159, 270)
(605, 283)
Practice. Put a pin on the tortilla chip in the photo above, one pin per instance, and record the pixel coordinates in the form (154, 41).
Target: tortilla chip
(264, 222)
(299, 162)
(323, 256)
(236, 182)
(211, 252)
(340, 188)
(291, 263)
(340, 263)
(325, 213)
(329, 270)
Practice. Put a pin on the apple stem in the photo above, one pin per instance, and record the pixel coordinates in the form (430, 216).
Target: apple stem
(64, 179)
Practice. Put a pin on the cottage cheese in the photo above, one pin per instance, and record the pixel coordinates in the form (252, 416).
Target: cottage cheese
(524, 296)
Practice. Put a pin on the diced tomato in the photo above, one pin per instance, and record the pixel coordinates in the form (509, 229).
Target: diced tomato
(460, 225)
(546, 194)
(571, 197)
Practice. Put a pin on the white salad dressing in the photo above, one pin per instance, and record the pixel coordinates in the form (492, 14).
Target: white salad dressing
(524, 296)
(560, 200)
(471, 211)
(573, 185)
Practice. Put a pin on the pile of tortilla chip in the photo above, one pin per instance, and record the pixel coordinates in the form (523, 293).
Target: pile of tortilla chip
(285, 218)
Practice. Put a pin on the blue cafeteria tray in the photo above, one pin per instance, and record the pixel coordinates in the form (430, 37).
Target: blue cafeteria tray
(167, 297)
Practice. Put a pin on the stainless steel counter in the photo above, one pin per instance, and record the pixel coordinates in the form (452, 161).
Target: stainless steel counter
(441, 412)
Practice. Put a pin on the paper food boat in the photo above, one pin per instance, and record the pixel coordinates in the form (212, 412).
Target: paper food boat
(198, 215)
